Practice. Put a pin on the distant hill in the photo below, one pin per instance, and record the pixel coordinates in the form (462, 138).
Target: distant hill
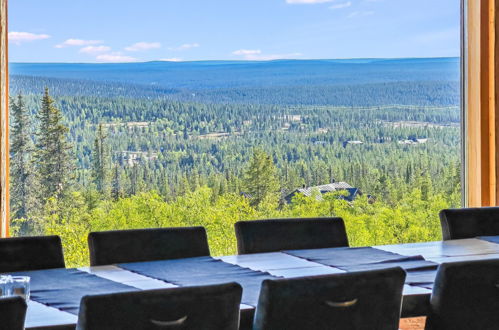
(226, 74)
(356, 82)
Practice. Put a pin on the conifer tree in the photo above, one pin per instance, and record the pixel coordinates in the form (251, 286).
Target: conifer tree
(260, 178)
(53, 154)
(134, 179)
(116, 185)
(223, 186)
(183, 186)
(23, 183)
(100, 162)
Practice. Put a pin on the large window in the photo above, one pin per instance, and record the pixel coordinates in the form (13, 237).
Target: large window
(183, 113)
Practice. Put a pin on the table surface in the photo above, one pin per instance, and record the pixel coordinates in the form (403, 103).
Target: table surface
(287, 266)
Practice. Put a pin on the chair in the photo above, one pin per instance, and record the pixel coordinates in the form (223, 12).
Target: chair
(30, 253)
(469, 222)
(214, 307)
(465, 296)
(272, 235)
(12, 313)
(119, 246)
(369, 300)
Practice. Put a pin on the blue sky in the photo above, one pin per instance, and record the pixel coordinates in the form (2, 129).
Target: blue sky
(146, 30)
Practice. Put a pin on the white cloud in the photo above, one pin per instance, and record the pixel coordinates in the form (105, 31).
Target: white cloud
(356, 14)
(20, 37)
(141, 46)
(95, 49)
(341, 5)
(256, 55)
(173, 59)
(246, 52)
(115, 58)
(78, 42)
(185, 46)
(307, 1)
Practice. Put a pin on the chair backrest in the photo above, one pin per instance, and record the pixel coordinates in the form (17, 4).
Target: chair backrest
(118, 246)
(30, 253)
(12, 313)
(469, 222)
(368, 300)
(213, 307)
(465, 296)
(272, 235)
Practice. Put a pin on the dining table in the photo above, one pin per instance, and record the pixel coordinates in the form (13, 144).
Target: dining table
(56, 293)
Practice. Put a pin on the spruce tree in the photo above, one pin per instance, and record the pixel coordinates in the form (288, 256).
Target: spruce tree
(100, 162)
(53, 156)
(134, 180)
(23, 183)
(260, 178)
(116, 185)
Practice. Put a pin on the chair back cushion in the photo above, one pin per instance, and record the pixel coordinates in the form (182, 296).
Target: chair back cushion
(368, 300)
(213, 307)
(30, 253)
(12, 313)
(466, 296)
(469, 222)
(120, 246)
(272, 235)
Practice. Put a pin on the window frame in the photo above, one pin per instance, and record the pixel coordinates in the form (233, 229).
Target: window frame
(4, 122)
(479, 119)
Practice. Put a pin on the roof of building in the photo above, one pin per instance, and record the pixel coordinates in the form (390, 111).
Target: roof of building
(307, 191)
(327, 188)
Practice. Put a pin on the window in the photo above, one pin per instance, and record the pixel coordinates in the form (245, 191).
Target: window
(203, 115)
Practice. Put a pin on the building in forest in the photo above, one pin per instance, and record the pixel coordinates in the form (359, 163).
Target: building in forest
(132, 158)
(413, 141)
(351, 192)
(351, 142)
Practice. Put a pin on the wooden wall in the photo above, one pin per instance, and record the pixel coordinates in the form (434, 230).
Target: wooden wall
(481, 100)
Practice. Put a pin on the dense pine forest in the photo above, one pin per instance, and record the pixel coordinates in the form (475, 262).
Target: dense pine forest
(97, 147)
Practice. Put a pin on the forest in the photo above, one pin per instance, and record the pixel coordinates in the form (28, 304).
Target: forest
(102, 154)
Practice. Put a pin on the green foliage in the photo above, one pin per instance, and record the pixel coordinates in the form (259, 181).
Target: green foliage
(52, 157)
(306, 143)
(101, 162)
(116, 183)
(260, 178)
(195, 159)
(411, 220)
(22, 193)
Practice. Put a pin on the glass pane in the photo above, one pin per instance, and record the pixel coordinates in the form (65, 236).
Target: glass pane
(131, 114)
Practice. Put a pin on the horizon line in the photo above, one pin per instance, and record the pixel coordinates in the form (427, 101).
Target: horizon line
(250, 61)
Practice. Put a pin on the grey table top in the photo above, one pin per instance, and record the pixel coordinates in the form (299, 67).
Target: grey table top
(283, 265)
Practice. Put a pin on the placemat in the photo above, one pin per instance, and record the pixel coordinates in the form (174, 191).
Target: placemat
(346, 257)
(203, 271)
(492, 239)
(64, 288)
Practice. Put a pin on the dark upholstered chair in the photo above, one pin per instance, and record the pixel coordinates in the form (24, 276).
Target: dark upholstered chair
(469, 222)
(368, 300)
(119, 246)
(30, 253)
(465, 296)
(272, 235)
(12, 313)
(213, 307)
